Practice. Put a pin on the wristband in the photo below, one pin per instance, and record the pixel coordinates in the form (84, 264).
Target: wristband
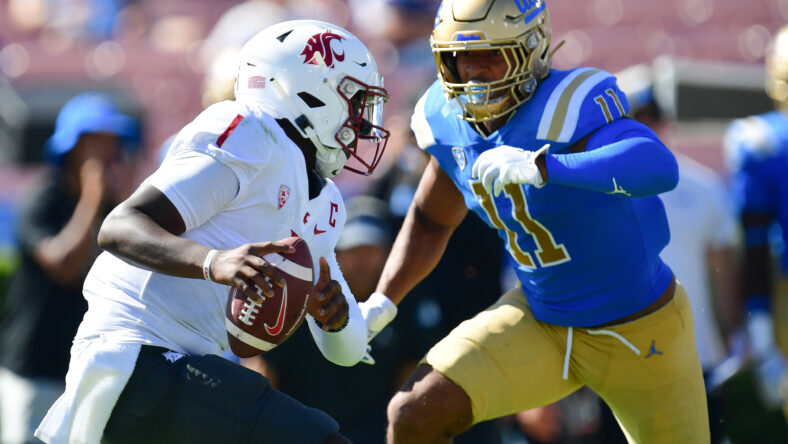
(206, 266)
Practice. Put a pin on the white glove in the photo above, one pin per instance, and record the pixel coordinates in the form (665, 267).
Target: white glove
(377, 311)
(505, 164)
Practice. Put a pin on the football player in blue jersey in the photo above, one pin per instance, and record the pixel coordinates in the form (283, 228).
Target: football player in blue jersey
(550, 160)
(757, 149)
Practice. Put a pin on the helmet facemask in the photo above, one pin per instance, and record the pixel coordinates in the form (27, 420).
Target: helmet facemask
(362, 136)
(462, 25)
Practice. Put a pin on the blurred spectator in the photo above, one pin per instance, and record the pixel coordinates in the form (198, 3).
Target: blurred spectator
(92, 19)
(702, 240)
(219, 51)
(757, 149)
(363, 246)
(576, 419)
(57, 244)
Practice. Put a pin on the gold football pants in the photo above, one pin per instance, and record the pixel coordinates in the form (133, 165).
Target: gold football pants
(647, 370)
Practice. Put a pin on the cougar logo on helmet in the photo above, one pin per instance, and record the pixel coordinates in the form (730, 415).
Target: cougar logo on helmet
(321, 43)
(340, 110)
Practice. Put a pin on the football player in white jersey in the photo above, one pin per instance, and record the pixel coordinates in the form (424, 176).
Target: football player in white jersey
(243, 174)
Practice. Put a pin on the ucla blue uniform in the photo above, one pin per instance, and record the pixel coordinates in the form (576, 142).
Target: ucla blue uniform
(757, 147)
(586, 246)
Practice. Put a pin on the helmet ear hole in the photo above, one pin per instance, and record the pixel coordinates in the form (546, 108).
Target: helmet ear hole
(449, 67)
(310, 100)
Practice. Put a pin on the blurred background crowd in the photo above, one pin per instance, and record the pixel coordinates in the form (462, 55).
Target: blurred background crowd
(691, 66)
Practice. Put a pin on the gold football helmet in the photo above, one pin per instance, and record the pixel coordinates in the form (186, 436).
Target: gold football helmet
(777, 68)
(519, 29)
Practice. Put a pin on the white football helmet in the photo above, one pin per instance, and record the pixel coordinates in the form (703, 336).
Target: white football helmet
(519, 29)
(777, 68)
(325, 82)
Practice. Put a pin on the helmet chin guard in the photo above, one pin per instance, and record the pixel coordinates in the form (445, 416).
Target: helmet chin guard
(325, 81)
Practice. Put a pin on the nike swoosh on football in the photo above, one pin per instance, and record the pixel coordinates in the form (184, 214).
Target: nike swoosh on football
(280, 319)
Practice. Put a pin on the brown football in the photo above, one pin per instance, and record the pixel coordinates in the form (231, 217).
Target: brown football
(254, 328)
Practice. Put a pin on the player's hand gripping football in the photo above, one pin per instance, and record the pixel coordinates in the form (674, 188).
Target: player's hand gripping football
(246, 269)
(504, 165)
(328, 305)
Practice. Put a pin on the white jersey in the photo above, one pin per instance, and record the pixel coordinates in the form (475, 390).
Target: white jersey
(700, 220)
(252, 186)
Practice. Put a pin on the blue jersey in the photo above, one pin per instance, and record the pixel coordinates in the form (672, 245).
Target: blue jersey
(757, 149)
(585, 246)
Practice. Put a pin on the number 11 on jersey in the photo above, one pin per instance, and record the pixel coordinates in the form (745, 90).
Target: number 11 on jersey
(548, 252)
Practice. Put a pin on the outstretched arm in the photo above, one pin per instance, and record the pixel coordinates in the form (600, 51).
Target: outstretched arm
(437, 209)
(623, 157)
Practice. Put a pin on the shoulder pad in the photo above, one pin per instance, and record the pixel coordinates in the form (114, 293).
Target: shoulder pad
(419, 125)
(236, 135)
(435, 120)
(577, 102)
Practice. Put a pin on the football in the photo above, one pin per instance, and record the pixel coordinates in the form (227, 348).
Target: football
(254, 328)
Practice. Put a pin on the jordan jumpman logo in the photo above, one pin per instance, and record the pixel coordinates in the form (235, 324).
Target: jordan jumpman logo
(652, 350)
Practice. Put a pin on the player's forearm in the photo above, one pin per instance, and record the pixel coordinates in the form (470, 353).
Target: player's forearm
(725, 282)
(64, 255)
(633, 167)
(417, 249)
(137, 238)
(345, 347)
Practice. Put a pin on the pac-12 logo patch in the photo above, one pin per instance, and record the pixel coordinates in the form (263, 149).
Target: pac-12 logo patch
(284, 194)
(321, 43)
(459, 156)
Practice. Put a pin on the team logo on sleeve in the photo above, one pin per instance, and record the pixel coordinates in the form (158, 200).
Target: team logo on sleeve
(321, 44)
(284, 194)
(459, 156)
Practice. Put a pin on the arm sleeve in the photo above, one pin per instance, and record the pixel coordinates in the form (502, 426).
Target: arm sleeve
(347, 346)
(197, 184)
(623, 157)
